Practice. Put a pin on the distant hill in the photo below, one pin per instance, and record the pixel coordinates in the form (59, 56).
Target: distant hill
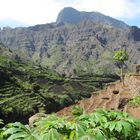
(77, 43)
(73, 16)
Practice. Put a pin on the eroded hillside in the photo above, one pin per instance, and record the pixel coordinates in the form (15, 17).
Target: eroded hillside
(27, 88)
(116, 97)
(85, 47)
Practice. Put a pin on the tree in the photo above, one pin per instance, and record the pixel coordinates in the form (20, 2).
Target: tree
(121, 56)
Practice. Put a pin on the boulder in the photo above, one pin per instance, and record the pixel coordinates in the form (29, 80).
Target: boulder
(36, 118)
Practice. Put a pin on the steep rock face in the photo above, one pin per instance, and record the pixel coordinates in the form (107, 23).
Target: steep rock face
(73, 16)
(85, 47)
(69, 15)
(135, 33)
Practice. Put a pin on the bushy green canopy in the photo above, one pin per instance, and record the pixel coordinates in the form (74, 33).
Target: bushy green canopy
(120, 56)
(100, 125)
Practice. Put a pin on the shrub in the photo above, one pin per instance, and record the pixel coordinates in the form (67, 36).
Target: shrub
(36, 87)
(135, 102)
(101, 125)
(77, 110)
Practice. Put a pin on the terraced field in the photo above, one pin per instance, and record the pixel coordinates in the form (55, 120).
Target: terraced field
(115, 97)
(27, 88)
(14, 99)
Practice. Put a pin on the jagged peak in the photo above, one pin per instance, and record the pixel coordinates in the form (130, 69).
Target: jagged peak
(69, 15)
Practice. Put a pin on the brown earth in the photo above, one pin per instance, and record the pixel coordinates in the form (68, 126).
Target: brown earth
(115, 97)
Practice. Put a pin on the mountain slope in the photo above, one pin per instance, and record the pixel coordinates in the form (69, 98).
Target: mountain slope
(115, 97)
(72, 49)
(70, 15)
(27, 88)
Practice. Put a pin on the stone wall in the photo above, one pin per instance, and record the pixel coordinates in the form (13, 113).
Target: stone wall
(133, 82)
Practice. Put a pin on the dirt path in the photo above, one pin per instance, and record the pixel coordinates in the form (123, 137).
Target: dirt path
(115, 97)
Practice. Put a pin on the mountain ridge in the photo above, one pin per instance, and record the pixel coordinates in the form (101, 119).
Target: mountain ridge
(85, 47)
(70, 15)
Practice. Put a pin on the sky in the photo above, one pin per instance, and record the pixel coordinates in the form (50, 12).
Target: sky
(16, 13)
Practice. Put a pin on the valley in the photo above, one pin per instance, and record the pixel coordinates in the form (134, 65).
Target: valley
(26, 89)
(64, 76)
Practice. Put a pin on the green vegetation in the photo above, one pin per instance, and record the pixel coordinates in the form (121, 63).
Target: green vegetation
(101, 125)
(121, 56)
(77, 110)
(26, 88)
(21, 91)
(135, 102)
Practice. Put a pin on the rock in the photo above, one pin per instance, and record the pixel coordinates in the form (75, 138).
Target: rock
(70, 15)
(36, 118)
(138, 69)
(135, 33)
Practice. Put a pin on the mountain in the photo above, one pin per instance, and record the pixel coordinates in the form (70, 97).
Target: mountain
(75, 49)
(30, 58)
(70, 15)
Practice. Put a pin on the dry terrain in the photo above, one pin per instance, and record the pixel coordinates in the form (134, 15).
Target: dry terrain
(115, 97)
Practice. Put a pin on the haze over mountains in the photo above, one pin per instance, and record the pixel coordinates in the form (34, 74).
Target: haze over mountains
(78, 42)
(11, 23)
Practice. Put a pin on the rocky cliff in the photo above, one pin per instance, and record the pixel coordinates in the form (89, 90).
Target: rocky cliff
(84, 47)
(70, 15)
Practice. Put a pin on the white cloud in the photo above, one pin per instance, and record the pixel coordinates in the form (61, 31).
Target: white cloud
(29, 11)
(114, 8)
(44, 11)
